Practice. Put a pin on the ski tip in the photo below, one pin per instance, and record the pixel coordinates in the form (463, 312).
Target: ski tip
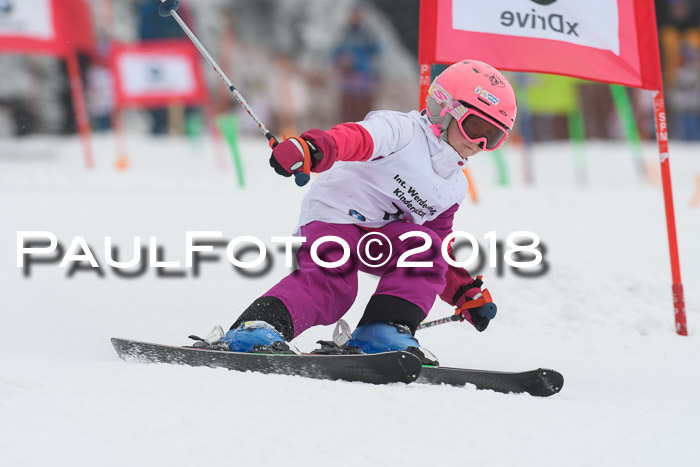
(119, 343)
(550, 382)
(123, 347)
(116, 342)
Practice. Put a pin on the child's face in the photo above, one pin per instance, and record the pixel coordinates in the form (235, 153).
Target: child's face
(459, 143)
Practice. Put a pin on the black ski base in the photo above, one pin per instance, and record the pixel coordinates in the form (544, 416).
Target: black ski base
(540, 382)
(381, 368)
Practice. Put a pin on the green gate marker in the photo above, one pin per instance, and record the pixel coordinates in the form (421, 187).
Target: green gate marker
(228, 124)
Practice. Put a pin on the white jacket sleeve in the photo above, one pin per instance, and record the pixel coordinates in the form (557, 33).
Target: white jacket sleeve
(390, 131)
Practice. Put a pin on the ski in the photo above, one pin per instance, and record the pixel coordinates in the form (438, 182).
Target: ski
(541, 382)
(381, 368)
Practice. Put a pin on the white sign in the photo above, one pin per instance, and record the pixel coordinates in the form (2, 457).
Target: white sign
(32, 19)
(591, 23)
(144, 74)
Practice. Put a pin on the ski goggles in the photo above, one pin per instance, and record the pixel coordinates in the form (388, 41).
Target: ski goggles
(478, 128)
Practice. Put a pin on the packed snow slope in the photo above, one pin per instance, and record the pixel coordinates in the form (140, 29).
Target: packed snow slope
(601, 314)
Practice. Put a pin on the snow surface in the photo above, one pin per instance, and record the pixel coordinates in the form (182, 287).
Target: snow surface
(602, 316)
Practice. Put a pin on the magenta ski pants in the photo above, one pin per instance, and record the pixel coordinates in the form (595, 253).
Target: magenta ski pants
(315, 295)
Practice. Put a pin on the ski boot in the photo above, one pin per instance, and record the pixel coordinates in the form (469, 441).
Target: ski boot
(251, 336)
(384, 337)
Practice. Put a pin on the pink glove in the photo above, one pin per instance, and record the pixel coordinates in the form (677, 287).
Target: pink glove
(288, 156)
(460, 287)
(464, 292)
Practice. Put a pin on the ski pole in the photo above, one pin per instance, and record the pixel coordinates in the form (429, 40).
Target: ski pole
(484, 300)
(447, 319)
(169, 8)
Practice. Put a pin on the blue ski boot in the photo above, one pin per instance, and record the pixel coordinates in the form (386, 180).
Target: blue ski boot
(384, 337)
(256, 336)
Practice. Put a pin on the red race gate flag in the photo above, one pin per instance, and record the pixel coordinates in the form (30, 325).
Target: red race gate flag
(156, 74)
(611, 41)
(29, 26)
(52, 27)
(80, 25)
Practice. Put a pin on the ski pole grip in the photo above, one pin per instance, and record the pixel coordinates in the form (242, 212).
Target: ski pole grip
(168, 6)
(271, 140)
(301, 179)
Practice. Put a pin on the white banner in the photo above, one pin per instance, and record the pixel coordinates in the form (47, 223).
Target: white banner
(144, 74)
(31, 19)
(590, 23)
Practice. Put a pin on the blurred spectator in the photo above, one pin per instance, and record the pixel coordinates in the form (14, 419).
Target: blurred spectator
(18, 80)
(354, 59)
(679, 35)
(677, 20)
(100, 94)
(154, 27)
(685, 95)
(68, 124)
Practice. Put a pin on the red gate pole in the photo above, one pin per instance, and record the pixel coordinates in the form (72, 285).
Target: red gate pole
(81, 115)
(424, 84)
(427, 34)
(662, 139)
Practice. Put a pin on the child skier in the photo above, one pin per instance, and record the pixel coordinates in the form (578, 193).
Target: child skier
(392, 173)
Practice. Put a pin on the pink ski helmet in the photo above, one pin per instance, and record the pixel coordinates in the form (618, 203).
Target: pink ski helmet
(479, 97)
